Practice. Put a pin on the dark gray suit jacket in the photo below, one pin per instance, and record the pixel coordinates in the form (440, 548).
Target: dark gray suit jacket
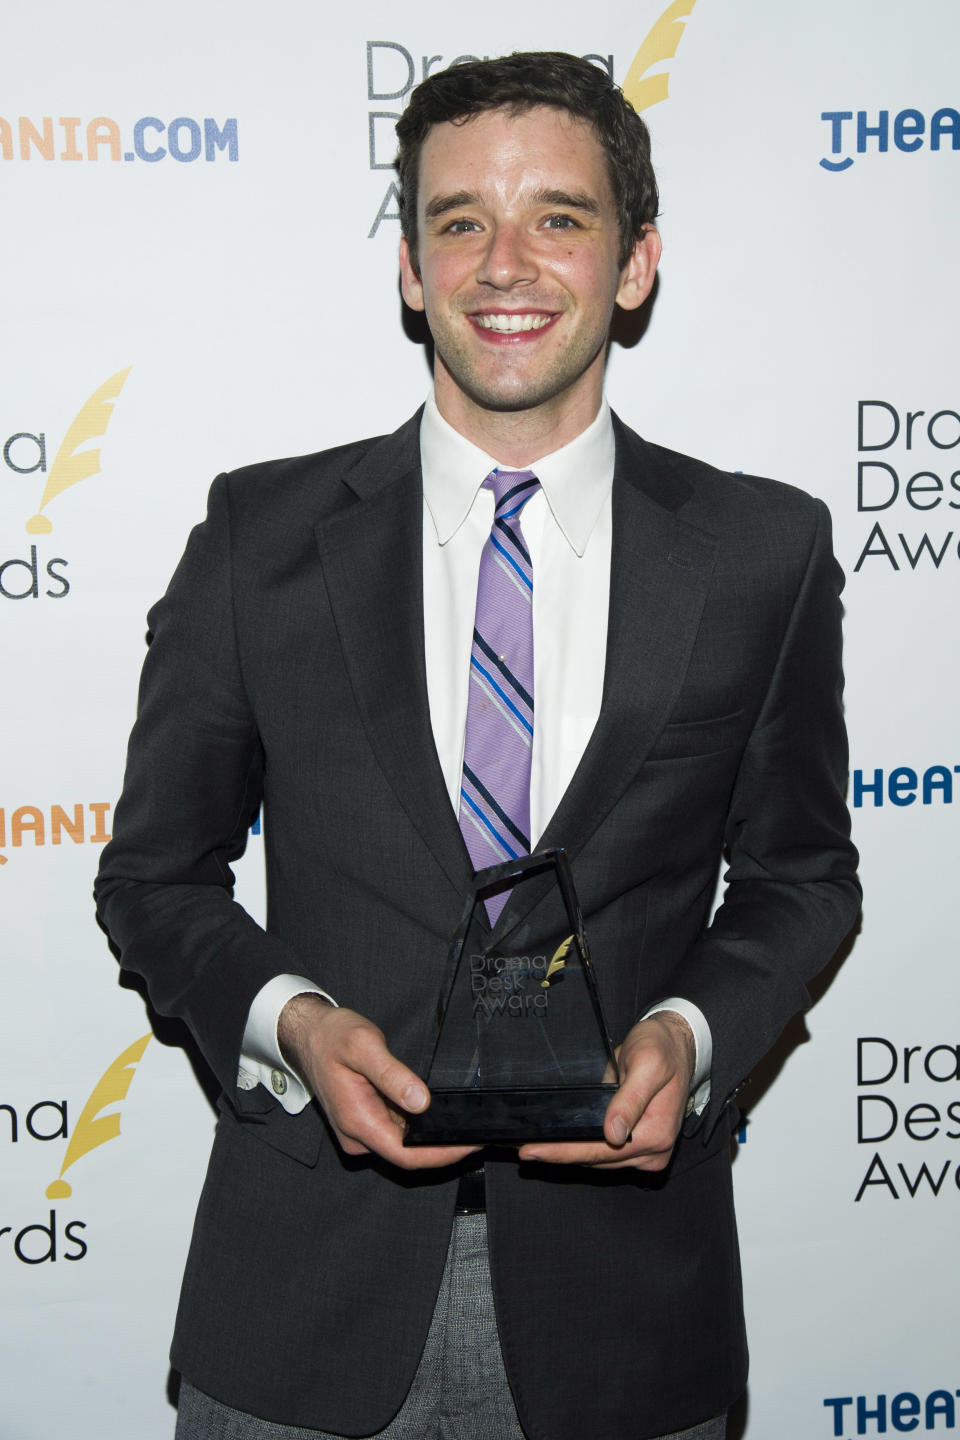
(287, 667)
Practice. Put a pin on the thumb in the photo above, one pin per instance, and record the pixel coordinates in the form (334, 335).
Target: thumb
(646, 1066)
(395, 1081)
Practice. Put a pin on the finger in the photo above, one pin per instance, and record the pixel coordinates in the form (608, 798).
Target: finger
(655, 1131)
(432, 1157)
(357, 1114)
(651, 1090)
(386, 1140)
(367, 1055)
(364, 1122)
(597, 1155)
(418, 1157)
(389, 1146)
(647, 1146)
(626, 1111)
(366, 1092)
(567, 1152)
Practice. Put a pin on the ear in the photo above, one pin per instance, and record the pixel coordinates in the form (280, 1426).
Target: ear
(636, 280)
(411, 286)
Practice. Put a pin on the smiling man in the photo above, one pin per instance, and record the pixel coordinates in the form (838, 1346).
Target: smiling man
(656, 678)
(518, 266)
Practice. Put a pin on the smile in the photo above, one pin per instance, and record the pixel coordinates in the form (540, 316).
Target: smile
(512, 324)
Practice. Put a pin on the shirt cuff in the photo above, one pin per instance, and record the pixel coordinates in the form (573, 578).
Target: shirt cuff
(261, 1062)
(703, 1042)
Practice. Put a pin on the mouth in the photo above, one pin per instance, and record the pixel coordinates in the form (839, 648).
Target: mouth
(516, 322)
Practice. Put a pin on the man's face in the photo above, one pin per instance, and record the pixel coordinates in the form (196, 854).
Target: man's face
(519, 270)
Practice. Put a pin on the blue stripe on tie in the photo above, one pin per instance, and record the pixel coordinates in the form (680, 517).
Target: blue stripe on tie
(513, 854)
(510, 561)
(503, 695)
(510, 576)
(479, 641)
(486, 839)
(498, 810)
(477, 679)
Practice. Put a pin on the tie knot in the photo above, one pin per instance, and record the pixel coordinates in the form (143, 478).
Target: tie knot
(511, 490)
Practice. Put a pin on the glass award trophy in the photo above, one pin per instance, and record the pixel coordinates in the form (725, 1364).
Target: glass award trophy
(522, 1051)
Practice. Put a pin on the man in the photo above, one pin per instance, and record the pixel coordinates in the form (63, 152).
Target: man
(313, 652)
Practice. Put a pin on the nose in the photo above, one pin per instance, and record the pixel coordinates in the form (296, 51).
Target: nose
(509, 259)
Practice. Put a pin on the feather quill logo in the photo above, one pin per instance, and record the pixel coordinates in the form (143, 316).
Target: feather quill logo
(94, 1128)
(639, 88)
(558, 962)
(73, 464)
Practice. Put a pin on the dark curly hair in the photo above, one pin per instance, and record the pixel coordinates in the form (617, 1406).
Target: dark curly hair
(519, 82)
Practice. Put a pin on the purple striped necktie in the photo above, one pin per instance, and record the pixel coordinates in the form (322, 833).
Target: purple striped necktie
(495, 785)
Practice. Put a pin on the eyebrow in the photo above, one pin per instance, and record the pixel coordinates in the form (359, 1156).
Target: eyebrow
(568, 200)
(441, 204)
(563, 199)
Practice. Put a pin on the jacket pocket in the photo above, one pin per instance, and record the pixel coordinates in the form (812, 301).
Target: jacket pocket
(688, 739)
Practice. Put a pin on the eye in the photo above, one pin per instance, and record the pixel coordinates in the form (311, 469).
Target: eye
(461, 227)
(561, 222)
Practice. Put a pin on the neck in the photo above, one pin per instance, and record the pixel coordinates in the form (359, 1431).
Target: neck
(517, 438)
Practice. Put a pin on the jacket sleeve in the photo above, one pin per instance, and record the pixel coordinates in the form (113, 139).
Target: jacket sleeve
(193, 785)
(792, 892)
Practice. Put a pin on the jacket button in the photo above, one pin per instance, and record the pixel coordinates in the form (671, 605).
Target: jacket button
(279, 1082)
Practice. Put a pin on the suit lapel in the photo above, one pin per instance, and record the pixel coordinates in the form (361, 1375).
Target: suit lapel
(371, 553)
(659, 577)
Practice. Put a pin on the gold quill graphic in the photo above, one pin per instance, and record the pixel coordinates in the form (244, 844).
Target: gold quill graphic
(644, 90)
(558, 961)
(71, 464)
(93, 1129)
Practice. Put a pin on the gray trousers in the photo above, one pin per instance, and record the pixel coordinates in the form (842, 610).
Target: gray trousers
(460, 1390)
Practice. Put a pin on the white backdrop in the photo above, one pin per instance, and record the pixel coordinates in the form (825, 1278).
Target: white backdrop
(191, 235)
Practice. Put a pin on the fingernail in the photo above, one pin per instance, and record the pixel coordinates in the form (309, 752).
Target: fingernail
(620, 1130)
(414, 1097)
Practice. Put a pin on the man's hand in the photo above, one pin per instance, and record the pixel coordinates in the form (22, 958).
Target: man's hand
(656, 1068)
(365, 1091)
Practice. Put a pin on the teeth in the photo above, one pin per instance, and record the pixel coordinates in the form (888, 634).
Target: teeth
(512, 324)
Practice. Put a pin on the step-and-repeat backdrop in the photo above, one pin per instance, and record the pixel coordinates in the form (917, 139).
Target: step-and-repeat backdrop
(199, 269)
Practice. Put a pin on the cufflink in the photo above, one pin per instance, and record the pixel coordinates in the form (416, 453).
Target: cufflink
(279, 1082)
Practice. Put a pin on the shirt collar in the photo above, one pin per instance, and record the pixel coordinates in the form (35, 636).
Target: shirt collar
(575, 479)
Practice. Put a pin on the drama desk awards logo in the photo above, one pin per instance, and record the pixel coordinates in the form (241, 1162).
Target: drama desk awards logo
(56, 1237)
(908, 1111)
(908, 474)
(39, 574)
(392, 72)
(662, 40)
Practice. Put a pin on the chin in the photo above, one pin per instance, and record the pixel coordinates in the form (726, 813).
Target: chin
(509, 399)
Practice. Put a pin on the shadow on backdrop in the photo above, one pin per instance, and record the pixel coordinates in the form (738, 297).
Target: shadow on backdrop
(764, 1075)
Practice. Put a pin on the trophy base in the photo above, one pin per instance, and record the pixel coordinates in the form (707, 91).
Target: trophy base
(511, 1117)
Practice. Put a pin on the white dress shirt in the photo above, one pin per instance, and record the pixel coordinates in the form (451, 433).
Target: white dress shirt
(567, 525)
